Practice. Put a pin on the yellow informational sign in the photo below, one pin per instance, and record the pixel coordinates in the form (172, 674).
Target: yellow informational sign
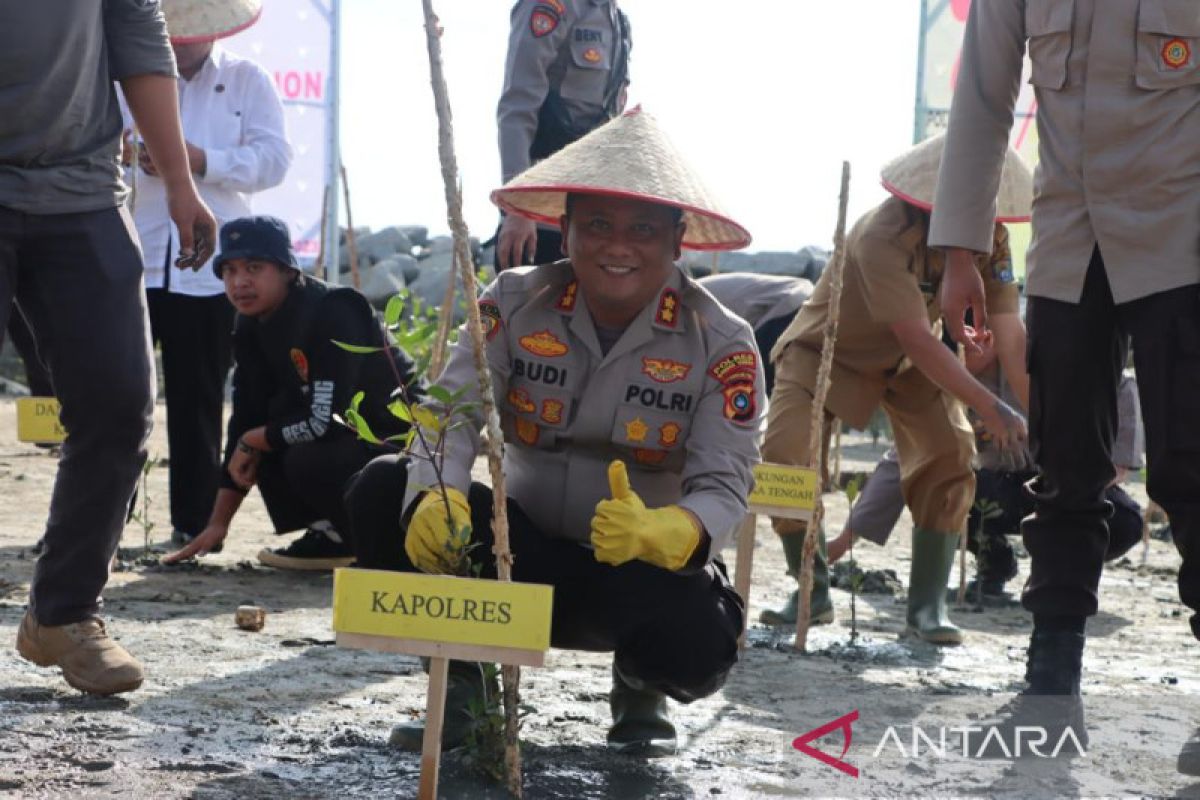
(784, 487)
(440, 608)
(37, 420)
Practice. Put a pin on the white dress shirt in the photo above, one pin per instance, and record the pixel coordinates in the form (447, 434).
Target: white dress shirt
(230, 109)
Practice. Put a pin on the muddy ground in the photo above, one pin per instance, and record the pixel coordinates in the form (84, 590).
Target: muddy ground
(284, 713)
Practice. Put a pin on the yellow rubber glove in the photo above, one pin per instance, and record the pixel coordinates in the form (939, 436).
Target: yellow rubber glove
(432, 544)
(624, 529)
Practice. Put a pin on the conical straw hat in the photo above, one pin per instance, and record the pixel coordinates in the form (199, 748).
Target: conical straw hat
(627, 157)
(913, 178)
(191, 21)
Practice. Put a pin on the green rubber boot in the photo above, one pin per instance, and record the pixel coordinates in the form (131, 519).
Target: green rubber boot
(640, 726)
(932, 557)
(467, 693)
(822, 604)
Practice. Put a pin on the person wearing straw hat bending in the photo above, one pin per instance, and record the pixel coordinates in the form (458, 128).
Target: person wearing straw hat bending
(70, 261)
(629, 401)
(566, 74)
(237, 146)
(889, 353)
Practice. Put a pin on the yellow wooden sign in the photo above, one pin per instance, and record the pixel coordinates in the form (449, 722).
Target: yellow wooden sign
(37, 420)
(784, 487)
(441, 608)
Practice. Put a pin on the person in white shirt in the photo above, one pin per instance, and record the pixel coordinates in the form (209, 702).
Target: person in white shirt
(237, 146)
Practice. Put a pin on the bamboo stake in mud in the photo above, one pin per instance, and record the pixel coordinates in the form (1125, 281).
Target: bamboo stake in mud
(817, 438)
(351, 239)
(462, 250)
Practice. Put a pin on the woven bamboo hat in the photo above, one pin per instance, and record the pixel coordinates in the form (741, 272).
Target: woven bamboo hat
(627, 157)
(913, 178)
(190, 21)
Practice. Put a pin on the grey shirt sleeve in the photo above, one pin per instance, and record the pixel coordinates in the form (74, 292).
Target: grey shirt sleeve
(880, 503)
(135, 35)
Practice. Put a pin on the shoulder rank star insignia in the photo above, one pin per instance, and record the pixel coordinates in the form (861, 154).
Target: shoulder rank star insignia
(1176, 53)
(566, 301)
(300, 362)
(665, 370)
(668, 309)
(542, 22)
(636, 430)
(545, 344)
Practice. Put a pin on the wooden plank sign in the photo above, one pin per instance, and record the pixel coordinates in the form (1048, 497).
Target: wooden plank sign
(783, 491)
(37, 421)
(440, 615)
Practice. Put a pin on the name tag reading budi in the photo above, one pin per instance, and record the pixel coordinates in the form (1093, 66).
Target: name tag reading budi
(441, 608)
(37, 421)
(784, 487)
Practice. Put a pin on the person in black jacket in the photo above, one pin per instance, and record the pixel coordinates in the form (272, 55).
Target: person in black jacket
(290, 380)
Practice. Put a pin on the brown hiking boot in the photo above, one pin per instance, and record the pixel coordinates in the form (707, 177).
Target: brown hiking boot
(90, 661)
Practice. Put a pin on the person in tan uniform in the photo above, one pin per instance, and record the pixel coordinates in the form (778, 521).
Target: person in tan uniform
(889, 352)
(629, 401)
(1115, 255)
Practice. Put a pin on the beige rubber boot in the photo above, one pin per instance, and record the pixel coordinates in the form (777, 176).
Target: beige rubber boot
(90, 660)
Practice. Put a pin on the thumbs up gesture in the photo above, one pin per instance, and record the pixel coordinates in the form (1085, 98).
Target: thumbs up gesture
(624, 529)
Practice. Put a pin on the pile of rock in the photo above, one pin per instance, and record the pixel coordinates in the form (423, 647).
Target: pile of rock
(807, 262)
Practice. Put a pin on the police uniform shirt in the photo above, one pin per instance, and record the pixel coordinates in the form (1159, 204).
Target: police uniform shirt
(1117, 84)
(567, 46)
(758, 298)
(889, 276)
(292, 377)
(677, 398)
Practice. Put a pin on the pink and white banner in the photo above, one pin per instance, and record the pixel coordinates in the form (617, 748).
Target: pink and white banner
(291, 42)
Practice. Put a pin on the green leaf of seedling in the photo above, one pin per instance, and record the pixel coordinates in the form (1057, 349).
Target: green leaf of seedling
(426, 419)
(361, 427)
(441, 395)
(400, 410)
(852, 489)
(393, 310)
(356, 348)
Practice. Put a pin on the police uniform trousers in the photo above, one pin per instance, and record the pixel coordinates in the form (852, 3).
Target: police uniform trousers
(1076, 354)
(677, 633)
(934, 442)
(196, 337)
(37, 377)
(78, 280)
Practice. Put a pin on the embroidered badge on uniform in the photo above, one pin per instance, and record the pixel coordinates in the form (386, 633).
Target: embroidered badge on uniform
(566, 302)
(300, 362)
(527, 431)
(654, 457)
(1002, 271)
(1176, 53)
(519, 399)
(592, 56)
(636, 430)
(668, 308)
(552, 411)
(545, 344)
(557, 5)
(542, 22)
(668, 434)
(489, 315)
(665, 370)
(739, 366)
(739, 402)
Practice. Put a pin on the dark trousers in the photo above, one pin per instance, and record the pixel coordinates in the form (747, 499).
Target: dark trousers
(37, 378)
(307, 482)
(196, 337)
(77, 278)
(677, 633)
(549, 247)
(765, 336)
(1076, 353)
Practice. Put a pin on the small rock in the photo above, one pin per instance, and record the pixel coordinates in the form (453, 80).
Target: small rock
(250, 618)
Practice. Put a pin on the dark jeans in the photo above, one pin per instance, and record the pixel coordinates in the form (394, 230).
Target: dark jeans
(77, 278)
(37, 378)
(677, 633)
(196, 336)
(307, 482)
(1076, 353)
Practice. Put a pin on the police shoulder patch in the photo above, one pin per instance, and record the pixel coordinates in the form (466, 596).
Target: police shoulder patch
(489, 316)
(543, 21)
(740, 403)
(300, 362)
(735, 367)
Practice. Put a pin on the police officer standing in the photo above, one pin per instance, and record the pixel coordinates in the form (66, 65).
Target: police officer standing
(630, 403)
(565, 74)
(1116, 222)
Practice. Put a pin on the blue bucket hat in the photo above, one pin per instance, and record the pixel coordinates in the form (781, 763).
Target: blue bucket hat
(260, 237)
